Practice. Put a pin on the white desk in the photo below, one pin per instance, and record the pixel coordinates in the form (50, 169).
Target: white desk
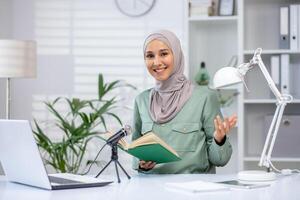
(152, 187)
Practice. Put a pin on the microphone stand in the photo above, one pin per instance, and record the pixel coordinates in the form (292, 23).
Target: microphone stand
(114, 158)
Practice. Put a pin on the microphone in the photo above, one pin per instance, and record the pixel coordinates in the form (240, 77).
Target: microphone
(126, 130)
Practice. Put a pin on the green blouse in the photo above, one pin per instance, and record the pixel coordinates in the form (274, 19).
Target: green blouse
(190, 133)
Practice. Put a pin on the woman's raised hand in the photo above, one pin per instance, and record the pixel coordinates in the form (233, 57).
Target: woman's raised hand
(223, 127)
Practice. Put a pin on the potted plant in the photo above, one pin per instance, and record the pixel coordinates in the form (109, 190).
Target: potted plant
(78, 127)
(202, 76)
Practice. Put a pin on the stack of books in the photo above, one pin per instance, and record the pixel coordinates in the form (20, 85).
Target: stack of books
(203, 7)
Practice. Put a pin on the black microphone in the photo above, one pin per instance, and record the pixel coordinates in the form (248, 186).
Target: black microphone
(126, 130)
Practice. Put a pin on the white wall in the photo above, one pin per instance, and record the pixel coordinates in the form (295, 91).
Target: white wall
(77, 39)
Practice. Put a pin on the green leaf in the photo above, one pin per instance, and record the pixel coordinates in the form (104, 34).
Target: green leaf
(129, 85)
(84, 117)
(116, 117)
(101, 87)
(112, 86)
(103, 122)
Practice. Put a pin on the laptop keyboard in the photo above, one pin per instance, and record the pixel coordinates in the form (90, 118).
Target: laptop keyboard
(59, 180)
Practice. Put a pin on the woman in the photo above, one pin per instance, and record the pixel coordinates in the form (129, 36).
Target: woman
(185, 116)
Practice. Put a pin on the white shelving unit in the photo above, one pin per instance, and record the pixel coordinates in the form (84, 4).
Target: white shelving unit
(266, 101)
(273, 51)
(212, 18)
(214, 40)
(261, 29)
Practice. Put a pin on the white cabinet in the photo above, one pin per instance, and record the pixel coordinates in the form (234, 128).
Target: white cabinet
(261, 28)
(214, 40)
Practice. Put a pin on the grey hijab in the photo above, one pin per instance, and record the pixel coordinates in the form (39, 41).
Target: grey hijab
(168, 97)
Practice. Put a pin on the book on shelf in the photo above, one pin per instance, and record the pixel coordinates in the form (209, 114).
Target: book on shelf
(294, 26)
(148, 147)
(290, 27)
(284, 42)
(203, 7)
(285, 74)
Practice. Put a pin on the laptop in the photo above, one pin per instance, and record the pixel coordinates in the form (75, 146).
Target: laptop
(22, 162)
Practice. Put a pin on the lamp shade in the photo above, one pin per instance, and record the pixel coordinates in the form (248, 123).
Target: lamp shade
(227, 76)
(17, 59)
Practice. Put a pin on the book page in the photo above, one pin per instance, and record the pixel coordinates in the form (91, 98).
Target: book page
(151, 138)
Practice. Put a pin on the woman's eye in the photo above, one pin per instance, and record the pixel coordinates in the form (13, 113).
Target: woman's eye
(164, 54)
(149, 56)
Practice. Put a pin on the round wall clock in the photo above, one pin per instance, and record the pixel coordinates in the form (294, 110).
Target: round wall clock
(135, 8)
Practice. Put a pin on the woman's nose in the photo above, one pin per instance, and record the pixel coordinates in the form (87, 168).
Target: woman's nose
(156, 61)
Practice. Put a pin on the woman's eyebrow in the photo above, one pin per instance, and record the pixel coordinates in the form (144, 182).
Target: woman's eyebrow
(164, 50)
(161, 50)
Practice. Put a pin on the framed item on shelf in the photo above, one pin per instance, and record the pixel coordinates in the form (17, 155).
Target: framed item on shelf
(226, 7)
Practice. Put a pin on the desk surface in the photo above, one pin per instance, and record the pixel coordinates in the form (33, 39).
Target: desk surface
(152, 187)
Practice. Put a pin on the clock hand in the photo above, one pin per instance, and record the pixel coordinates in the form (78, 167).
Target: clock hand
(144, 2)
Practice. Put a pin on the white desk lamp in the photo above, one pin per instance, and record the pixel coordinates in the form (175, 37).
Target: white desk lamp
(17, 60)
(230, 75)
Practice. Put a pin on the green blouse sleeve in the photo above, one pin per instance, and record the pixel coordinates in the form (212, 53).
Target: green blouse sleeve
(136, 131)
(217, 155)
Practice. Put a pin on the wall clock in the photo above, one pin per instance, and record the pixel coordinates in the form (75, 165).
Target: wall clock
(135, 8)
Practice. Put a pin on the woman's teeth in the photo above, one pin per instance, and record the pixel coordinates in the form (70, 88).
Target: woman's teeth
(160, 69)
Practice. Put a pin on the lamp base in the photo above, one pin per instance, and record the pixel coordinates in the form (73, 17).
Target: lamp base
(256, 175)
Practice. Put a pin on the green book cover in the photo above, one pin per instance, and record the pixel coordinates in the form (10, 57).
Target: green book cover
(148, 147)
(153, 152)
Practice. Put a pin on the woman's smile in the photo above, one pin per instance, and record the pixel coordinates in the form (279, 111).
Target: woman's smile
(160, 69)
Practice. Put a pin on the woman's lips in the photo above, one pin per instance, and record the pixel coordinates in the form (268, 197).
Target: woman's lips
(160, 69)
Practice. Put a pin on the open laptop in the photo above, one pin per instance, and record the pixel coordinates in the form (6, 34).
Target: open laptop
(22, 162)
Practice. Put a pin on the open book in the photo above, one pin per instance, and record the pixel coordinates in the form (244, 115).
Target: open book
(149, 147)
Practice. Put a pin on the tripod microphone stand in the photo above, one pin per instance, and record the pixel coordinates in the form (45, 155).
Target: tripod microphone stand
(113, 142)
(114, 158)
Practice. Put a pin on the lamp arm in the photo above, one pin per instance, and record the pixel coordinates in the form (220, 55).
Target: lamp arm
(257, 60)
(282, 100)
(265, 159)
(277, 125)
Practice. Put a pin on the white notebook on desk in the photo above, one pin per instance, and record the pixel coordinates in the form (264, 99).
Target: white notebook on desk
(196, 186)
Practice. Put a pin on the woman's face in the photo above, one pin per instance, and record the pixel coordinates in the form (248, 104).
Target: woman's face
(159, 60)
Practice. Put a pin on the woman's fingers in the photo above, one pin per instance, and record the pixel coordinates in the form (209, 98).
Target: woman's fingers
(223, 127)
(232, 121)
(220, 125)
(142, 163)
(216, 125)
(150, 166)
(233, 117)
(226, 125)
(147, 164)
